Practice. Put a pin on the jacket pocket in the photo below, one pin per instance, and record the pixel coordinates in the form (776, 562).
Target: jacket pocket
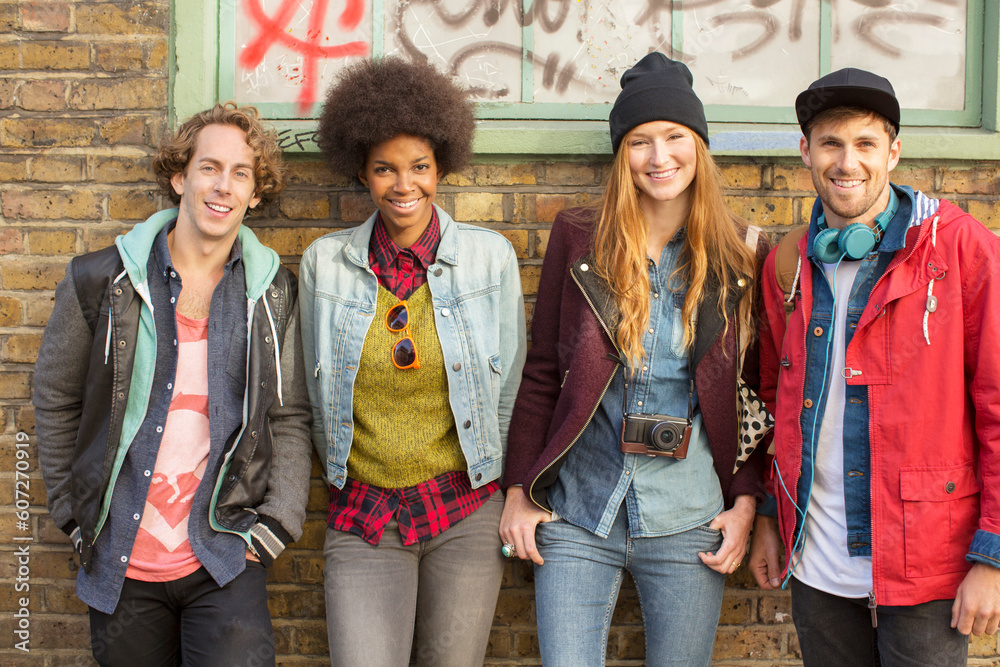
(940, 517)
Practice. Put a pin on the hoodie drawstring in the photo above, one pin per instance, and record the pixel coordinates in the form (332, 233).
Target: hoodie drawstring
(277, 355)
(931, 299)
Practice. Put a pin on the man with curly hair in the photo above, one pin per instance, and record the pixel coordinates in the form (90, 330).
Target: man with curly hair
(173, 433)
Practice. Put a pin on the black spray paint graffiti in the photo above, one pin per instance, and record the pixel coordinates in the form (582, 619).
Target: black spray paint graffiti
(560, 73)
(491, 11)
(298, 140)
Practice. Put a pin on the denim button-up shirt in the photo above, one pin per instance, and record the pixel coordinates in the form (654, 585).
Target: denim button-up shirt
(479, 314)
(222, 554)
(857, 447)
(663, 496)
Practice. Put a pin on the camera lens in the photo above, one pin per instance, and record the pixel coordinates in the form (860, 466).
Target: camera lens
(664, 436)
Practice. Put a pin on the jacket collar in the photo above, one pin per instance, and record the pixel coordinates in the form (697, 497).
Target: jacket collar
(134, 247)
(359, 240)
(598, 294)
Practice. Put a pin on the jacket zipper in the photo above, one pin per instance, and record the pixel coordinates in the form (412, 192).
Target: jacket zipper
(531, 487)
(871, 444)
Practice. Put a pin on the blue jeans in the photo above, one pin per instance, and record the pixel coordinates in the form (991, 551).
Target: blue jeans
(577, 587)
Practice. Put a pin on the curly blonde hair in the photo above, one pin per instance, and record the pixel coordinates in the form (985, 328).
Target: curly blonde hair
(269, 169)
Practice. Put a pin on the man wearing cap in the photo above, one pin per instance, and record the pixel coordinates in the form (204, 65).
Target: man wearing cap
(880, 359)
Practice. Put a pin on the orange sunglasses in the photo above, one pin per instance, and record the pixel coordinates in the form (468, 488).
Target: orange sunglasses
(404, 352)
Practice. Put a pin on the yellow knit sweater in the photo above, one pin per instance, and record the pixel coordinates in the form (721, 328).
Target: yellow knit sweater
(404, 431)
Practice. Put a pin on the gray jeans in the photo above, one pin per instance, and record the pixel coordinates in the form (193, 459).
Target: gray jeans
(835, 631)
(445, 588)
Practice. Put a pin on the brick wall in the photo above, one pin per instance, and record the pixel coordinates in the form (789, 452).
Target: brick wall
(83, 87)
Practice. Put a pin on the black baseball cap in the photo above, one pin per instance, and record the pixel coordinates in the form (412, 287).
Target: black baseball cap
(848, 87)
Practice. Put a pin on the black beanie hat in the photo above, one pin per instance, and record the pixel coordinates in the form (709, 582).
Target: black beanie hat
(656, 88)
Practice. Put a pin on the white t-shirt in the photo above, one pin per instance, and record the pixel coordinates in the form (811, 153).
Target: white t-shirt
(825, 563)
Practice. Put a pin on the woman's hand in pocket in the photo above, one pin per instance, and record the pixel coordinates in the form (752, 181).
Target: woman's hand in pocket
(735, 525)
(517, 524)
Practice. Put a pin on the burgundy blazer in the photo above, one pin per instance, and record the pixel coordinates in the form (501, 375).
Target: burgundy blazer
(572, 362)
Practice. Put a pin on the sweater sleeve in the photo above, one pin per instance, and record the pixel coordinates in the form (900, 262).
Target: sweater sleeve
(540, 382)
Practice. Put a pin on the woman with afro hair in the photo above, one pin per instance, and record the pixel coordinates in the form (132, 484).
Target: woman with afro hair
(413, 331)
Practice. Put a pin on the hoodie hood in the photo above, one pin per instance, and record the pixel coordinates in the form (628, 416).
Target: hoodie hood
(260, 262)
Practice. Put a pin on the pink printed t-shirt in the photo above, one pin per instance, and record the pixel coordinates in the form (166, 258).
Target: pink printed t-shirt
(162, 551)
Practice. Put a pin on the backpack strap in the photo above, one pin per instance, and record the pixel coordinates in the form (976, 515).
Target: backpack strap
(788, 265)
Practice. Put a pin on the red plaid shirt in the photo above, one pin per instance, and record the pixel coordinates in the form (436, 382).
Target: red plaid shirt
(433, 506)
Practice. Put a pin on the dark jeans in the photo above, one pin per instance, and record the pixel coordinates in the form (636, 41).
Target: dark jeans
(190, 621)
(835, 631)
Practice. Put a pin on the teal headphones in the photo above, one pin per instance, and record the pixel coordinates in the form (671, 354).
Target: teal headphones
(854, 241)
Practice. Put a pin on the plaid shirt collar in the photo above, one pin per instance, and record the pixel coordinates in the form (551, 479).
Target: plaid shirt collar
(384, 250)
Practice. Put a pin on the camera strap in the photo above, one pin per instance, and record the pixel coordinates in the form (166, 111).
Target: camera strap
(627, 374)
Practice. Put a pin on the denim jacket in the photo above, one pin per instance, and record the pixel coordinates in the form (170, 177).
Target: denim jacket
(479, 313)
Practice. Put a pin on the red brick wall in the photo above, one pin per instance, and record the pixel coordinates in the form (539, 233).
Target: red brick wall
(83, 88)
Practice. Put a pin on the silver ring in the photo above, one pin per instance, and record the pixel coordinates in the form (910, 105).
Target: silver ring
(508, 550)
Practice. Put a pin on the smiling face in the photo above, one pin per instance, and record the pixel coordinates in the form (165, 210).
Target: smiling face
(217, 185)
(402, 177)
(850, 161)
(662, 158)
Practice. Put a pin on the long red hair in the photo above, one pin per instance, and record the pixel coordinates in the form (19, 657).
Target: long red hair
(714, 254)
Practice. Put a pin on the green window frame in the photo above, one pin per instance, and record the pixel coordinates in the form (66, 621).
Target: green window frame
(204, 71)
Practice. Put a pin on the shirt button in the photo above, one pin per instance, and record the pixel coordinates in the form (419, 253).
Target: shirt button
(807, 403)
(656, 295)
(136, 516)
(650, 330)
(950, 487)
(479, 476)
(437, 272)
(645, 368)
(445, 312)
(173, 300)
(146, 473)
(175, 342)
(639, 403)
(159, 429)
(467, 424)
(170, 385)
(818, 331)
(173, 275)
(457, 366)
(124, 559)
(628, 472)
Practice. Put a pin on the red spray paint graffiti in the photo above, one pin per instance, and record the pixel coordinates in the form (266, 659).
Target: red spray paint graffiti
(276, 29)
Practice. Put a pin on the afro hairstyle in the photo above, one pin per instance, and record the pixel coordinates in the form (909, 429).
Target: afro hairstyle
(375, 100)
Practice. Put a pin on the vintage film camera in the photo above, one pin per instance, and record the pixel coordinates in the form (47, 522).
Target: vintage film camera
(656, 435)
